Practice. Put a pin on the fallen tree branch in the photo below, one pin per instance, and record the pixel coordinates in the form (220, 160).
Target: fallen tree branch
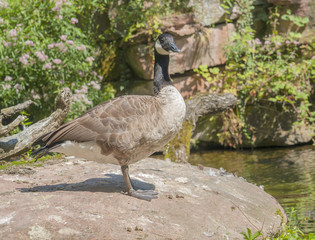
(178, 150)
(10, 111)
(22, 141)
(204, 104)
(5, 130)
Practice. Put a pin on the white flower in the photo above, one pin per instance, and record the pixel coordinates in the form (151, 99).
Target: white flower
(89, 59)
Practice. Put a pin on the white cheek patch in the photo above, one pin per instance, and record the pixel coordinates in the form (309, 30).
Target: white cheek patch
(159, 48)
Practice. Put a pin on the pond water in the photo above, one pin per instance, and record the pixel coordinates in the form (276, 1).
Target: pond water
(288, 174)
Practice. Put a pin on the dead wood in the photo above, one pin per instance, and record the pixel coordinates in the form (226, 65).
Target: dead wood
(22, 141)
(178, 150)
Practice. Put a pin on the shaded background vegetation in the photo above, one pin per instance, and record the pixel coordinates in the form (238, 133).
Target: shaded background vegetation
(81, 45)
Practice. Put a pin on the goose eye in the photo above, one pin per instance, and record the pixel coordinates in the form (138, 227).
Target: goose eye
(161, 41)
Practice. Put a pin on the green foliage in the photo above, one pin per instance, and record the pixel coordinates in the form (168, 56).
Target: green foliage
(43, 50)
(276, 69)
(27, 160)
(25, 123)
(291, 230)
(126, 18)
(250, 236)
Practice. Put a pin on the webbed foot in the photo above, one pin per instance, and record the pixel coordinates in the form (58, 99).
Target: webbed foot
(147, 195)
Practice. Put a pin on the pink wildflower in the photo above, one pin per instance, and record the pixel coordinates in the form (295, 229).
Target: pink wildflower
(41, 56)
(50, 46)
(57, 61)
(63, 37)
(6, 44)
(74, 20)
(47, 66)
(23, 59)
(4, 4)
(257, 41)
(6, 86)
(7, 78)
(84, 89)
(29, 43)
(81, 48)
(70, 42)
(95, 85)
(12, 33)
(57, 7)
(267, 42)
(18, 87)
(61, 47)
(1, 20)
(36, 96)
(100, 77)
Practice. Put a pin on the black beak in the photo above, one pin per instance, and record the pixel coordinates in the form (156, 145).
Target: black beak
(174, 48)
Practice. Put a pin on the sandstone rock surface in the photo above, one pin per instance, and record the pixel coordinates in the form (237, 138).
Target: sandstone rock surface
(78, 199)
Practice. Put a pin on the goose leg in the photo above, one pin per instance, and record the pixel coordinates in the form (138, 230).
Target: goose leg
(147, 195)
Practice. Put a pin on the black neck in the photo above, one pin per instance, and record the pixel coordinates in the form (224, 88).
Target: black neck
(161, 75)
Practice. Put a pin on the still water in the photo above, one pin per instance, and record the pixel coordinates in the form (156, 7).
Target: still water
(288, 174)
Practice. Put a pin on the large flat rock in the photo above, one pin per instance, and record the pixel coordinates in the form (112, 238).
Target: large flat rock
(78, 199)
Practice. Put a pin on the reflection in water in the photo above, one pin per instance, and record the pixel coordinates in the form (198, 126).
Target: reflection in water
(288, 174)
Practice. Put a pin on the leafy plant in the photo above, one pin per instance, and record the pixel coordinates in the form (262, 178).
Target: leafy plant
(291, 230)
(250, 236)
(43, 50)
(276, 69)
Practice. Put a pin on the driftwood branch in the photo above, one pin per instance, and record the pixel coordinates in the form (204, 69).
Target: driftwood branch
(10, 112)
(22, 141)
(4, 130)
(204, 104)
(178, 149)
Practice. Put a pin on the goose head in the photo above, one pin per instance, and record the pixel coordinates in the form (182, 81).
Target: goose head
(165, 44)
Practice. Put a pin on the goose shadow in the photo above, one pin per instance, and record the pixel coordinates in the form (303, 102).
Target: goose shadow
(110, 183)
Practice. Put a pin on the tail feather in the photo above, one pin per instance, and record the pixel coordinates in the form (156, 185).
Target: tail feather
(40, 152)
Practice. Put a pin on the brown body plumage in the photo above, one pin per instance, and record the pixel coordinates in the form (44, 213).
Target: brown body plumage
(126, 129)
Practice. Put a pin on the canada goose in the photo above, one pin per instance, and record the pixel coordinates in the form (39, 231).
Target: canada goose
(129, 128)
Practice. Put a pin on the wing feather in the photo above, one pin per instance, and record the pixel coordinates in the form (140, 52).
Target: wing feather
(120, 122)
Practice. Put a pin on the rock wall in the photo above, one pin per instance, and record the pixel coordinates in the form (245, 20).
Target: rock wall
(202, 35)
